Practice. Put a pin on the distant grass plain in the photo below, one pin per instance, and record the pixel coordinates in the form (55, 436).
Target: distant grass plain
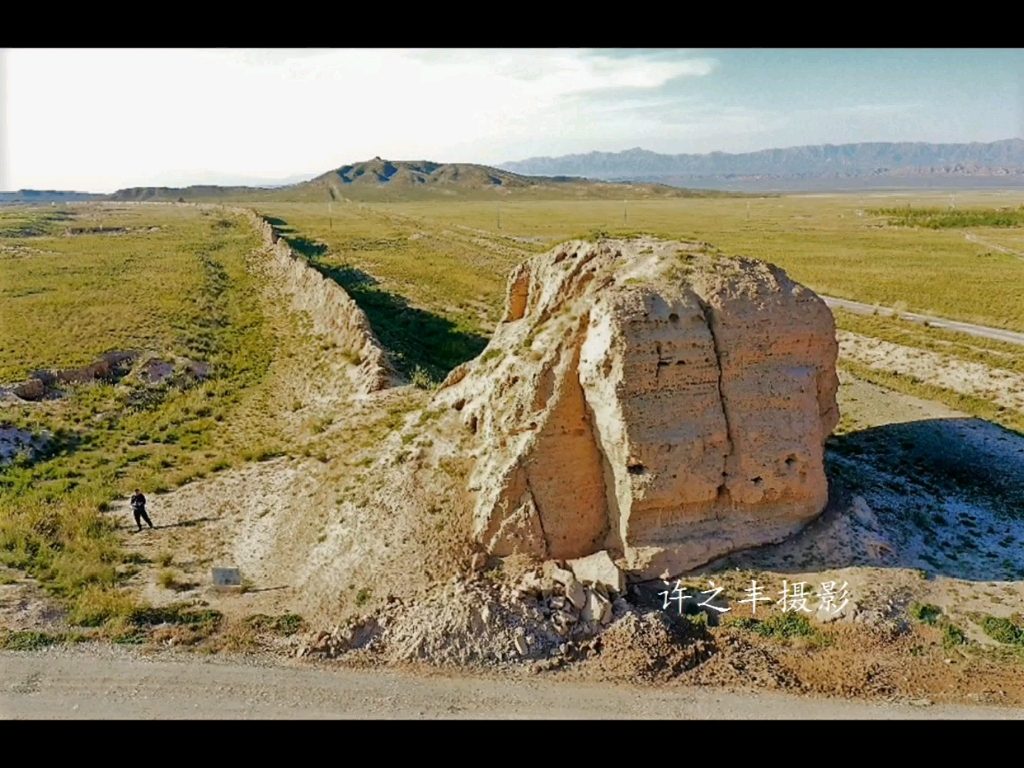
(846, 246)
(77, 280)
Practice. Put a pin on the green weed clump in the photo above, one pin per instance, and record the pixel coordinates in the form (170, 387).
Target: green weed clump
(925, 613)
(938, 218)
(28, 641)
(422, 379)
(952, 636)
(1003, 630)
(98, 605)
(783, 626)
(286, 624)
(932, 615)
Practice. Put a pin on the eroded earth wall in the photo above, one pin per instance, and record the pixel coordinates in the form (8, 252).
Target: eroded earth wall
(332, 311)
(657, 399)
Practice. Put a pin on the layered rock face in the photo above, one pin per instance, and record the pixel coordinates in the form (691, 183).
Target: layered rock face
(656, 399)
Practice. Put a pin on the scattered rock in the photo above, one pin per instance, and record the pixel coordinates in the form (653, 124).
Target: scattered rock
(600, 570)
(155, 370)
(869, 618)
(598, 609)
(110, 366)
(47, 377)
(531, 585)
(848, 612)
(14, 441)
(562, 576)
(620, 607)
(197, 369)
(575, 594)
(863, 512)
(521, 646)
(33, 389)
(879, 549)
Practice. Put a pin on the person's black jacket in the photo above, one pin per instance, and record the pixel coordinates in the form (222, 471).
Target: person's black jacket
(138, 501)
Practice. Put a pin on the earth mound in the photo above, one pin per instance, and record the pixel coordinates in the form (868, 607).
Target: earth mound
(658, 400)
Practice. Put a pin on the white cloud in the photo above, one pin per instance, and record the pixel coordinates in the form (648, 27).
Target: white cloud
(99, 119)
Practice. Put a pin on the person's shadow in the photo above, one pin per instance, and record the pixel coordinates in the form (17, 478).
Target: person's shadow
(192, 523)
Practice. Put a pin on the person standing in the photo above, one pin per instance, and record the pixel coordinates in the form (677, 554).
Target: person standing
(138, 503)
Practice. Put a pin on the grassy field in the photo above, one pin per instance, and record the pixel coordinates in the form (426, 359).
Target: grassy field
(432, 276)
(170, 281)
(80, 281)
(432, 294)
(451, 258)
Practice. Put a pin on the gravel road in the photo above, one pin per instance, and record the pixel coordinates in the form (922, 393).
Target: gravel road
(92, 683)
(997, 334)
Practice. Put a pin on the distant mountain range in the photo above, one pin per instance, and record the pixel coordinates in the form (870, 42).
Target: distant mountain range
(633, 172)
(894, 162)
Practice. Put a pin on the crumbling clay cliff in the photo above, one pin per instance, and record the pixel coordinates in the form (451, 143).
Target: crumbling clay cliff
(655, 399)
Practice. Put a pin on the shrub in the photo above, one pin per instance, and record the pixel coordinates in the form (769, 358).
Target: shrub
(1003, 630)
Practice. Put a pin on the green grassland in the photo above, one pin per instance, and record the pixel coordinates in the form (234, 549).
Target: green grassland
(180, 290)
(431, 273)
(448, 263)
(831, 243)
(66, 299)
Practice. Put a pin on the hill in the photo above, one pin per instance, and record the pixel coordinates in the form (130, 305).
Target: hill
(40, 196)
(1003, 159)
(190, 194)
(387, 180)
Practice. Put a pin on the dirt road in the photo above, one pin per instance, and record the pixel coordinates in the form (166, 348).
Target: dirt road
(93, 683)
(1002, 249)
(997, 334)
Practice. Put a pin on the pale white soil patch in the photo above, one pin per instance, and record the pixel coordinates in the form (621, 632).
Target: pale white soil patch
(1002, 387)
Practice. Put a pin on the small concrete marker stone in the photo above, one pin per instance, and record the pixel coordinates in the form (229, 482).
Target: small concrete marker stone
(227, 577)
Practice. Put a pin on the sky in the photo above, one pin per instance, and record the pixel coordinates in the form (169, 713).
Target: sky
(98, 120)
